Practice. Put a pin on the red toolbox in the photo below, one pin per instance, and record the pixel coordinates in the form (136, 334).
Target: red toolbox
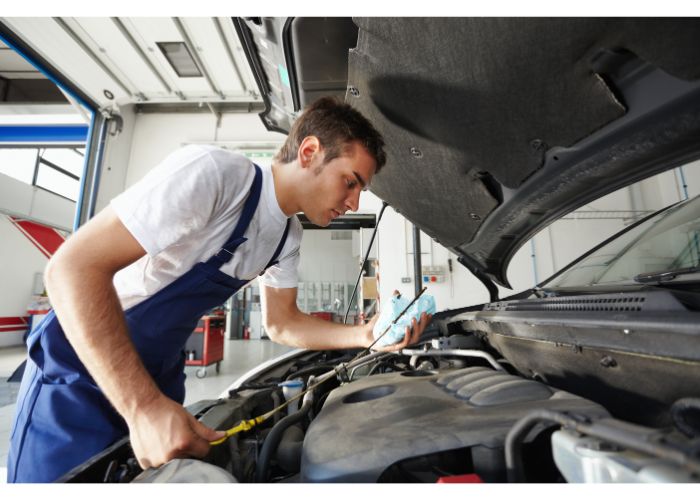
(205, 346)
(323, 315)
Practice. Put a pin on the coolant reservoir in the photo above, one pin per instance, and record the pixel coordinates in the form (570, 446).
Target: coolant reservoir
(583, 459)
(291, 388)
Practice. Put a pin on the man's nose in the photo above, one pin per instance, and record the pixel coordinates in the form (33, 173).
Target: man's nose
(353, 202)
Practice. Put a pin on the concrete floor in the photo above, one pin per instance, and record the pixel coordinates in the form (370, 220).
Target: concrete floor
(239, 357)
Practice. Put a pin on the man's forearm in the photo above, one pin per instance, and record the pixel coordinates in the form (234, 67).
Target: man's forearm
(92, 318)
(304, 330)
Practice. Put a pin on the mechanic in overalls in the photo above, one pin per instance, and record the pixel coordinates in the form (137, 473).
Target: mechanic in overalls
(129, 287)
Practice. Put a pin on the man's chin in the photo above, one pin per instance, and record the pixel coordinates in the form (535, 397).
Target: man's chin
(319, 221)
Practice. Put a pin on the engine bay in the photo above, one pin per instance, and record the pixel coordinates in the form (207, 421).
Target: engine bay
(451, 410)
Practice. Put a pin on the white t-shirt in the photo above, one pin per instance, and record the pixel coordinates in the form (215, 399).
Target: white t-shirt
(183, 211)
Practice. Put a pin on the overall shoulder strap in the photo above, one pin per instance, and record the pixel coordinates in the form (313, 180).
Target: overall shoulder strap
(251, 204)
(273, 260)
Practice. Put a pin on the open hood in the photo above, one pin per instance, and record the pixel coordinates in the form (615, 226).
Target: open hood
(494, 127)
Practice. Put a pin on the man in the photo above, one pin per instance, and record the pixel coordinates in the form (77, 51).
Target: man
(129, 287)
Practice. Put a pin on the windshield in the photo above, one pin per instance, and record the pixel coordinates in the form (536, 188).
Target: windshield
(669, 240)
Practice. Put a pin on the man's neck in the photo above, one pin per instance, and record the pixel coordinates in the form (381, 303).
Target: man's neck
(285, 189)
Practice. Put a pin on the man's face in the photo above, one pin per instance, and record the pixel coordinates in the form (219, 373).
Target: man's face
(334, 188)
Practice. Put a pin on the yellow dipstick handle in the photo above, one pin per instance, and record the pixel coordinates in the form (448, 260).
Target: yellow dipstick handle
(245, 425)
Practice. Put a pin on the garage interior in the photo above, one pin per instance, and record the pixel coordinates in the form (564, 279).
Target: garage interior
(68, 146)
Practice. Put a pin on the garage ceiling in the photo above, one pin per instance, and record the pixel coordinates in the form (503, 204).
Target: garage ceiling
(14, 67)
(118, 61)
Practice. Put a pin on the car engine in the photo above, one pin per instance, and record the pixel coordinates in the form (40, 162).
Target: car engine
(448, 411)
(404, 426)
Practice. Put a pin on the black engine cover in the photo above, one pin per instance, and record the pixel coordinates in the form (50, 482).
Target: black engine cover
(368, 425)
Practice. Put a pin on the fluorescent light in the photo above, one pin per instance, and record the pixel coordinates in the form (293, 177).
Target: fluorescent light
(180, 59)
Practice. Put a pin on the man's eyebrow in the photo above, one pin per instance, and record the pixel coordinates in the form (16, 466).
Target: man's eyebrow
(360, 180)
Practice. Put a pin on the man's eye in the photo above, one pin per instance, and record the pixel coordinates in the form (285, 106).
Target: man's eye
(351, 184)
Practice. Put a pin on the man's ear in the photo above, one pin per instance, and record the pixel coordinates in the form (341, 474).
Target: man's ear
(309, 149)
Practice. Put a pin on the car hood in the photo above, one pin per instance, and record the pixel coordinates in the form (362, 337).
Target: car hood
(494, 127)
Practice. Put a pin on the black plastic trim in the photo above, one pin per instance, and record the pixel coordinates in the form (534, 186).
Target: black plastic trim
(289, 61)
(254, 62)
(672, 335)
(367, 221)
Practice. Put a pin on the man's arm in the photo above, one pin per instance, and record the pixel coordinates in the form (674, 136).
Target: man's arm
(286, 324)
(79, 283)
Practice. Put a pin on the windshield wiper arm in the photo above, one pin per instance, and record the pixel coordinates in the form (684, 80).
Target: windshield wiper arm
(665, 275)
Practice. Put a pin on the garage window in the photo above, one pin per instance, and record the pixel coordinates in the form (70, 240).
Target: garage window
(57, 170)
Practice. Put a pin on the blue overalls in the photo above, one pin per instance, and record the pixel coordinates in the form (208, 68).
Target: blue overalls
(62, 418)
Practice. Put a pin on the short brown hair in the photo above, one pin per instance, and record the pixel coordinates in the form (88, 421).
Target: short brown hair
(336, 125)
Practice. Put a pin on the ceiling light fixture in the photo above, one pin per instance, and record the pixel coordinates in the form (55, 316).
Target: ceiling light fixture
(180, 59)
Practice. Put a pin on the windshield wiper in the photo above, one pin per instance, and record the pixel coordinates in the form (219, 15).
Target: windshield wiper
(662, 276)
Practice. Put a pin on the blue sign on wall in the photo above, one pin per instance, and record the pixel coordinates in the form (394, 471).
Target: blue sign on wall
(42, 134)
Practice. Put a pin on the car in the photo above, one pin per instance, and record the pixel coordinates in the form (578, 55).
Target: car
(495, 128)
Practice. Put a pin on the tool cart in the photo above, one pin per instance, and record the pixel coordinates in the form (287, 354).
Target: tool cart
(205, 346)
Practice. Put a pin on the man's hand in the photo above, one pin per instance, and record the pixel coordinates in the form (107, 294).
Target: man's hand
(164, 430)
(411, 336)
(285, 324)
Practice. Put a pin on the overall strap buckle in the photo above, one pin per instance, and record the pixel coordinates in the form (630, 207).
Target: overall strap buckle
(226, 253)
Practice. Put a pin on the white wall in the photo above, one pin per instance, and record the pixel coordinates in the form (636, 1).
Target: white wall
(323, 259)
(396, 261)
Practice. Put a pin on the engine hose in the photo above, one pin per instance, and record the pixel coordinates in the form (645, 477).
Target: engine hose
(273, 439)
(289, 449)
(686, 415)
(516, 436)
(375, 368)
